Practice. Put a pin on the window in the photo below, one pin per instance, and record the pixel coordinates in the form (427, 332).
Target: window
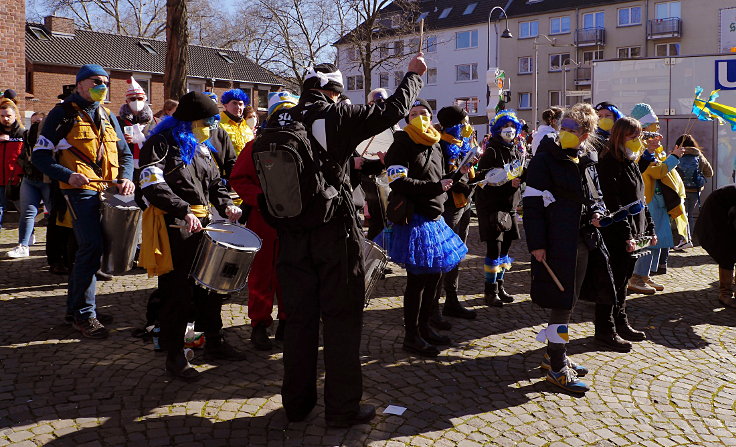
(466, 39)
(559, 25)
(226, 57)
(432, 103)
(352, 54)
(146, 86)
(39, 33)
(147, 46)
(398, 48)
(629, 52)
(432, 44)
(382, 51)
(470, 105)
(526, 65)
(413, 43)
(629, 16)
(466, 72)
(590, 56)
(431, 76)
(383, 80)
(556, 61)
(445, 12)
(666, 10)
(263, 98)
(528, 29)
(555, 98)
(355, 82)
(667, 49)
(470, 9)
(525, 100)
(195, 86)
(593, 20)
(398, 77)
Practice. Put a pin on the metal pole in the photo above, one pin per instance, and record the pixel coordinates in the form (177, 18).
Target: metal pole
(536, 82)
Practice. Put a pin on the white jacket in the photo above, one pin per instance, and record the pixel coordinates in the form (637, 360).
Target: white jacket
(539, 134)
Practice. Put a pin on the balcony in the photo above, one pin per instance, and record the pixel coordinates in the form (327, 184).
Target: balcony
(588, 37)
(583, 75)
(664, 28)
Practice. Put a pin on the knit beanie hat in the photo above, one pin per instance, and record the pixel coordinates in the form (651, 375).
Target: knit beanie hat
(281, 100)
(195, 106)
(451, 116)
(323, 77)
(235, 94)
(645, 114)
(89, 70)
(211, 95)
(419, 102)
(617, 115)
(10, 94)
(134, 89)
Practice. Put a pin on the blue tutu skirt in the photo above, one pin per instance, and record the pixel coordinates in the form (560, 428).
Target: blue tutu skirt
(426, 246)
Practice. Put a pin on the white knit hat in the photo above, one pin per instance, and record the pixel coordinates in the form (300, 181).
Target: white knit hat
(133, 88)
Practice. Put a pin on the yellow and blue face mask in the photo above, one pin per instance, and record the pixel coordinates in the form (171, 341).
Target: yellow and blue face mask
(202, 128)
(569, 140)
(421, 122)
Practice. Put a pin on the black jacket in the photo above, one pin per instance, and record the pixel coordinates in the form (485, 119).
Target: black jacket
(225, 155)
(425, 170)
(622, 184)
(716, 225)
(195, 184)
(558, 227)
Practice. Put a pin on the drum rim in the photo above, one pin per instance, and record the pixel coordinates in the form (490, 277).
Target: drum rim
(226, 245)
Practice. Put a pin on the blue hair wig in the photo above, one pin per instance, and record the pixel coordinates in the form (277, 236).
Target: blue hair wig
(182, 133)
(235, 94)
(454, 151)
(501, 119)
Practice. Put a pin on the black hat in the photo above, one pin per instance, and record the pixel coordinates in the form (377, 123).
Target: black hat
(323, 77)
(451, 116)
(9, 93)
(195, 106)
(419, 102)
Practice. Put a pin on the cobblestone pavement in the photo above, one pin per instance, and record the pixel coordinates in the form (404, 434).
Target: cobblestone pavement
(675, 388)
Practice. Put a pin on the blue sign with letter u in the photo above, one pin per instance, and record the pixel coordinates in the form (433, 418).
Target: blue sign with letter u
(726, 74)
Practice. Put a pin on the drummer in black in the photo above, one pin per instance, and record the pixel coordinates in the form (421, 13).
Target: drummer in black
(180, 178)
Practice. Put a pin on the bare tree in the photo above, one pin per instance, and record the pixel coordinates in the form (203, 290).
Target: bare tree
(177, 53)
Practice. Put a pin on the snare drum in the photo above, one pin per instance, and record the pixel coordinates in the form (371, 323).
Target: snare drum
(223, 260)
(121, 229)
(375, 261)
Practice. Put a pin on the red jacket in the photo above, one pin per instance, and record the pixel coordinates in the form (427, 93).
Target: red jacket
(244, 179)
(10, 170)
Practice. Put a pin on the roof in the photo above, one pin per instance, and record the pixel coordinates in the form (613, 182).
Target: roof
(448, 14)
(128, 53)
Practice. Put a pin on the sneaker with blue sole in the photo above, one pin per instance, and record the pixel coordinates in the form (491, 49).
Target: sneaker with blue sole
(567, 380)
(580, 370)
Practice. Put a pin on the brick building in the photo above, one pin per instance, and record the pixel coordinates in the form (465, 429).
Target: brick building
(55, 50)
(12, 49)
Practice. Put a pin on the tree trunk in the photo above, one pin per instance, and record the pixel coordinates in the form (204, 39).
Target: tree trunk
(177, 53)
(367, 70)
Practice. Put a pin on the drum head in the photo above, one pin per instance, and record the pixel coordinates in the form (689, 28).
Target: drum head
(241, 238)
(113, 200)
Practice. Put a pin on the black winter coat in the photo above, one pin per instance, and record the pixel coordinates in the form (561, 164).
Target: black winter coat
(225, 155)
(558, 227)
(422, 184)
(716, 225)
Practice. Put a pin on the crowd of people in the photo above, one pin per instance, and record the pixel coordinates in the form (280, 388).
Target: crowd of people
(601, 202)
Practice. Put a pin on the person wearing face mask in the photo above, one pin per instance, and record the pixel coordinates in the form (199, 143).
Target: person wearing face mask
(180, 178)
(562, 210)
(551, 118)
(251, 118)
(135, 115)
(608, 114)
(233, 119)
(496, 206)
(82, 141)
(224, 153)
(427, 247)
(626, 231)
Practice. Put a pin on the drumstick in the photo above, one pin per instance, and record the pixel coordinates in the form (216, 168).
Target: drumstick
(118, 181)
(214, 230)
(421, 34)
(554, 277)
(368, 145)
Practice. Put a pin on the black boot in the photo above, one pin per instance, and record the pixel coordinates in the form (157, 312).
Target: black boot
(505, 297)
(491, 295)
(415, 344)
(433, 337)
(453, 308)
(259, 337)
(279, 336)
(624, 329)
(217, 348)
(178, 366)
(436, 319)
(612, 342)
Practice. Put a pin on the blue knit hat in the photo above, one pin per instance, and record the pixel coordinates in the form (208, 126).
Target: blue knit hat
(281, 100)
(235, 94)
(644, 114)
(89, 70)
(211, 95)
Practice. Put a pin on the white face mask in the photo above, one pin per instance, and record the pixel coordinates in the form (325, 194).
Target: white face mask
(136, 106)
(251, 122)
(508, 134)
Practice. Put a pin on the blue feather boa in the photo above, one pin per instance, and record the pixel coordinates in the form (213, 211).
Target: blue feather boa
(453, 152)
(182, 133)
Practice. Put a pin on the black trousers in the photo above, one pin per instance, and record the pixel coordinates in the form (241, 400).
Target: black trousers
(606, 314)
(322, 278)
(377, 221)
(419, 300)
(500, 246)
(180, 298)
(459, 220)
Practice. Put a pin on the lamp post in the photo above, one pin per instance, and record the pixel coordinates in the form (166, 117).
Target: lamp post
(567, 62)
(506, 34)
(552, 43)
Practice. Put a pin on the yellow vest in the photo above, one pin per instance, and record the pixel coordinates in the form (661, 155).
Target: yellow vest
(240, 134)
(85, 137)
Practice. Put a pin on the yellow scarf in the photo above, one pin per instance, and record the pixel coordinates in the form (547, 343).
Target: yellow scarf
(421, 131)
(450, 139)
(155, 254)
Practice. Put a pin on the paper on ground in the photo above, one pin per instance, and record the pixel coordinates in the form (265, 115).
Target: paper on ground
(394, 409)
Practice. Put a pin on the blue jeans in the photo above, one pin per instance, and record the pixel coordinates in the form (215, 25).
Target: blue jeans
(2, 204)
(31, 193)
(85, 206)
(647, 263)
(692, 201)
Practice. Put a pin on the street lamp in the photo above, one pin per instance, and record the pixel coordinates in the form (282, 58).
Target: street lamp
(552, 43)
(567, 61)
(506, 34)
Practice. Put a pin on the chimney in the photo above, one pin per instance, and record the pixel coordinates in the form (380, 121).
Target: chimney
(59, 25)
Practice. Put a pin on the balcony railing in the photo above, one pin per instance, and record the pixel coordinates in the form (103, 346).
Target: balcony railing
(583, 75)
(663, 28)
(590, 36)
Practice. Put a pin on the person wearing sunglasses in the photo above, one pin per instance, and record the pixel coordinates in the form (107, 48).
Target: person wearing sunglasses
(563, 206)
(626, 227)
